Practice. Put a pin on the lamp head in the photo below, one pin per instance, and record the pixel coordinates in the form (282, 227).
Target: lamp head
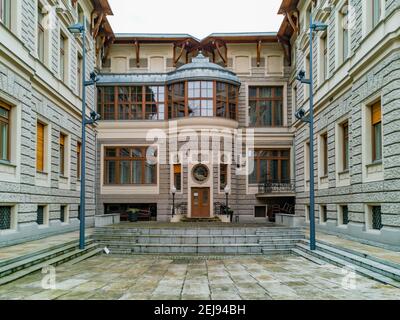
(95, 116)
(301, 75)
(173, 190)
(227, 189)
(94, 77)
(300, 114)
(76, 28)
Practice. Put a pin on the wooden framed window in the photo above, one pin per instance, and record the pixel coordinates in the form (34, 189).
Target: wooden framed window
(226, 100)
(78, 160)
(40, 34)
(266, 106)
(40, 147)
(155, 103)
(376, 130)
(62, 153)
(223, 176)
(5, 12)
(270, 166)
(5, 132)
(345, 146)
(324, 154)
(130, 166)
(176, 100)
(178, 177)
(200, 98)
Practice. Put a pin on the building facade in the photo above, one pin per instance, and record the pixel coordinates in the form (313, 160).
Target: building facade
(40, 117)
(206, 110)
(356, 142)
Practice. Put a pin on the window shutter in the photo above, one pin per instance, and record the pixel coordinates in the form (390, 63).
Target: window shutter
(177, 168)
(40, 147)
(376, 113)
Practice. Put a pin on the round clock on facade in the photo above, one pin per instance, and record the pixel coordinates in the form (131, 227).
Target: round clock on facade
(200, 173)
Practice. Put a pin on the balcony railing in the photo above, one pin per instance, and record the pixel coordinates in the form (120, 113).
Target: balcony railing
(277, 186)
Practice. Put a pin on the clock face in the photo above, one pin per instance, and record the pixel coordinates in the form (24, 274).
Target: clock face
(200, 173)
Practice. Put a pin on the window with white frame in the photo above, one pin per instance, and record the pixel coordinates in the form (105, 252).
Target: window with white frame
(343, 34)
(323, 58)
(5, 12)
(8, 219)
(323, 154)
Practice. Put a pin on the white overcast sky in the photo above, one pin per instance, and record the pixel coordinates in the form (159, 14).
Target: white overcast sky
(198, 18)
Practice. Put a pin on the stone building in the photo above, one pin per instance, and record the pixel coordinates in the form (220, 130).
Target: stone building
(356, 86)
(210, 109)
(40, 117)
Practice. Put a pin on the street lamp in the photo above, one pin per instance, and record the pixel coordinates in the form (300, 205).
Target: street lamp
(173, 191)
(227, 190)
(301, 115)
(80, 28)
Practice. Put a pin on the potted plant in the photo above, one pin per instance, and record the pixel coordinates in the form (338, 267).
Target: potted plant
(133, 215)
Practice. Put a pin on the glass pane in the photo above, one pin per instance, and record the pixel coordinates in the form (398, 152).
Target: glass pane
(265, 113)
(137, 172)
(111, 172)
(274, 171)
(3, 141)
(263, 171)
(378, 141)
(194, 108)
(285, 176)
(253, 113)
(252, 92)
(253, 173)
(136, 152)
(265, 92)
(278, 111)
(124, 152)
(124, 172)
(150, 173)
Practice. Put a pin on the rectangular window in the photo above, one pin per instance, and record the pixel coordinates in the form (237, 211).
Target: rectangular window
(345, 215)
(130, 166)
(63, 212)
(40, 215)
(178, 177)
(5, 217)
(78, 160)
(62, 153)
(4, 133)
(344, 32)
(270, 166)
(307, 162)
(63, 57)
(260, 212)
(40, 34)
(376, 215)
(324, 57)
(324, 154)
(323, 214)
(223, 176)
(79, 75)
(266, 106)
(376, 131)
(5, 12)
(345, 146)
(376, 12)
(40, 147)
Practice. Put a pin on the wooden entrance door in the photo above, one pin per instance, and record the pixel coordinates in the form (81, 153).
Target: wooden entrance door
(200, 202)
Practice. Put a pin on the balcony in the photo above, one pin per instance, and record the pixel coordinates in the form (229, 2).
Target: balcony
(277, 188)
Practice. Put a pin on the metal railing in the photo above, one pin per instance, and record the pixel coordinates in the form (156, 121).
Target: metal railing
(277, 186)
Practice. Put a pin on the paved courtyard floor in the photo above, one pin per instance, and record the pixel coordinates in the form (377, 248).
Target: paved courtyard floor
(225, 278)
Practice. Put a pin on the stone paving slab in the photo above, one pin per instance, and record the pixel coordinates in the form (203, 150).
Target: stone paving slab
(147, 278)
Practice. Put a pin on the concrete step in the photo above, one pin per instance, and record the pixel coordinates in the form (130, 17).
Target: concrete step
(307, 256)
(53, 262)
(375, 266)
(340, 262)
(9, 261)
(278, 246)
(85, 256)
(269, 252)
(33, 258)
(263, 241)
(118, 248)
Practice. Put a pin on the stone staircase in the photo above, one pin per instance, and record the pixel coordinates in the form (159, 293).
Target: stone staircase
(18, 267)
(368, 266)
(198, 241)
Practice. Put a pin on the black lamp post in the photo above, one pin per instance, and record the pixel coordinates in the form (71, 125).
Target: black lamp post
(301, 115)
(80, 28)
(226, 190)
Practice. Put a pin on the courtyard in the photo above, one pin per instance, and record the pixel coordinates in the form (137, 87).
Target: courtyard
(280, 277)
